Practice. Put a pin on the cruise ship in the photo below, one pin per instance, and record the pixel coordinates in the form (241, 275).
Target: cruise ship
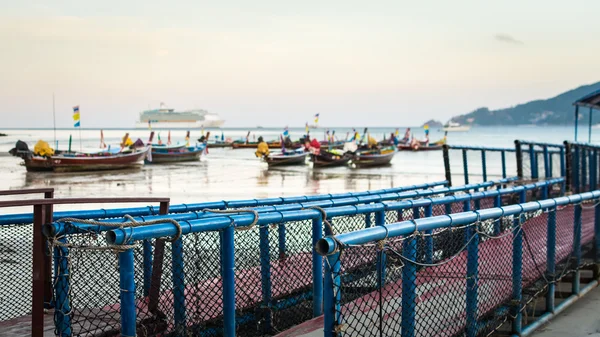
(165, 118)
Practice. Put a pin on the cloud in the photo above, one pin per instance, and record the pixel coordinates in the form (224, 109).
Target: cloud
(507, 39)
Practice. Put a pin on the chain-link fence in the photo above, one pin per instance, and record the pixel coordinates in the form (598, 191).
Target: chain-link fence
(464, 164)
(277, 275)
(540, 160)
(379, 283)
(583, 168)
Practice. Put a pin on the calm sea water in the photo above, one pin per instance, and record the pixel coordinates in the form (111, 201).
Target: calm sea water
(236, 174)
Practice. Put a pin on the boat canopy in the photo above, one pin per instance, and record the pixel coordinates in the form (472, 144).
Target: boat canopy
(591, 101)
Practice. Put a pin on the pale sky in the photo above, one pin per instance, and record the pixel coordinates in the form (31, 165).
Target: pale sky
(276, 63)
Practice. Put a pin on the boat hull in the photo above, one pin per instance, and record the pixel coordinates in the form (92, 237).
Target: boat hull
(160, 157)
(62, 163)
(323, 160)
(419, 148)
(286, 160)
(372, 160)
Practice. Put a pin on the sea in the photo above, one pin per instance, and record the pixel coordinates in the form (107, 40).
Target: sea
(228, 174)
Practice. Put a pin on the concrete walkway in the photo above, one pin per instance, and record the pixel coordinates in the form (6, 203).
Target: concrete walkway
(579, 320)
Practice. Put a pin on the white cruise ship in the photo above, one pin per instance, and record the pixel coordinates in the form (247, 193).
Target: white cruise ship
(165, 118)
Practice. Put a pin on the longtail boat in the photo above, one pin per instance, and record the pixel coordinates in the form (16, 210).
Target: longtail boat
(372, 158)
(77, 162)
(253, 145)
(176, 155)
(327, 158)
(286, 158)
(420, 147)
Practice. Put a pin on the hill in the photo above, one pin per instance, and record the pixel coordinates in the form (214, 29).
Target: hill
(556, 110)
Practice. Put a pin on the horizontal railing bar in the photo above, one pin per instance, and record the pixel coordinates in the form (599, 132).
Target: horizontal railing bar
(554, 145)
(33, 202)
(26, 191)
(329, 245)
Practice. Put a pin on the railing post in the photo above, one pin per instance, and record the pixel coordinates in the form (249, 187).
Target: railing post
(576, 170)
(497, 223)
(568, 173)
(533, 161)
(483, 166)
(472, 278)
(592, 169)
(519, 157)
(62, 305)
(332, 295)
(178, 286)
(597, 231)
(517, 277)
(447, 170)
(577, 248)
(551, 259)
(265, 273)
(409, 287)
(150, 272)
(281, 239)
(547, 167)
(127, 283)
(228, 270)
(465, 166)
(563, 165)
(367, 220)
(429, 237)
(39, 272)
(49, 213)
(317, 267)
(584, 174)
(503, 160)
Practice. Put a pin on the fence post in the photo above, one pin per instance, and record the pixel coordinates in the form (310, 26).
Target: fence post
(503, 160)
(367, 220)
(178, 285)
(49, 217)
(381, 258)
(597, 231)
(519, 157)
(281, 239)
(577, 248)
(497, 223)
(153, 265)
(465, 166)
(584, 178)
(332, 295)
(483, 166)
(448, 173)
(127, 283)
(317, 267)
(472, 276)
(547, 168)
(39, 272)
(563, 166)
(568, 168)
(551, 259)
(409, 287)
(533, 161)
(429, 237)
(576, 169)
(265, 273)
(147, 254)
(228, 269)
(62, 305)
(517, 270)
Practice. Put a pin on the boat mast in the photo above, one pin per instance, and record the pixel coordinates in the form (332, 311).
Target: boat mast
(54, 119)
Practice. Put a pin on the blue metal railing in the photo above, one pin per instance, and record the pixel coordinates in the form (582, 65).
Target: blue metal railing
(537, 160)
(182, 208)
(468, 169)
(267, 217)
(583, 170)
(332, 248)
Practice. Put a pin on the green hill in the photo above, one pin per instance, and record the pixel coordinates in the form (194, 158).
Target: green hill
(556, 110)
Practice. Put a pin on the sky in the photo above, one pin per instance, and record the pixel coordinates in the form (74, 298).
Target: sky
(277, 63)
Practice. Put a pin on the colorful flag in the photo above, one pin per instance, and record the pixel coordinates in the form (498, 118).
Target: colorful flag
(316, 118)
(306, 128)
(76, 117)
(426, 127)
(397, 132)
(286, 132)
(149, 125)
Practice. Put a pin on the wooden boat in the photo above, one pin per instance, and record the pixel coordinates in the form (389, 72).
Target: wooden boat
(286, 159)
(183, 154)
(215, 145)
(333, 145)
(326, 158)
(167, 147)
(77, 162)
(253, 145)
(372, 158)
(420, 147)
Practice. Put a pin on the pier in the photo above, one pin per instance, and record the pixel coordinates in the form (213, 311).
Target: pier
(488, 250)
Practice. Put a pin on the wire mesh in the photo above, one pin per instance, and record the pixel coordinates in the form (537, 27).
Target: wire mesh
(16, 243)
(445, 287)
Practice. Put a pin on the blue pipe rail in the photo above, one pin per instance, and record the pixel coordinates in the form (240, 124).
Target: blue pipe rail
(10, 219)
(332, 247)
(277, 215)
(369, 198)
